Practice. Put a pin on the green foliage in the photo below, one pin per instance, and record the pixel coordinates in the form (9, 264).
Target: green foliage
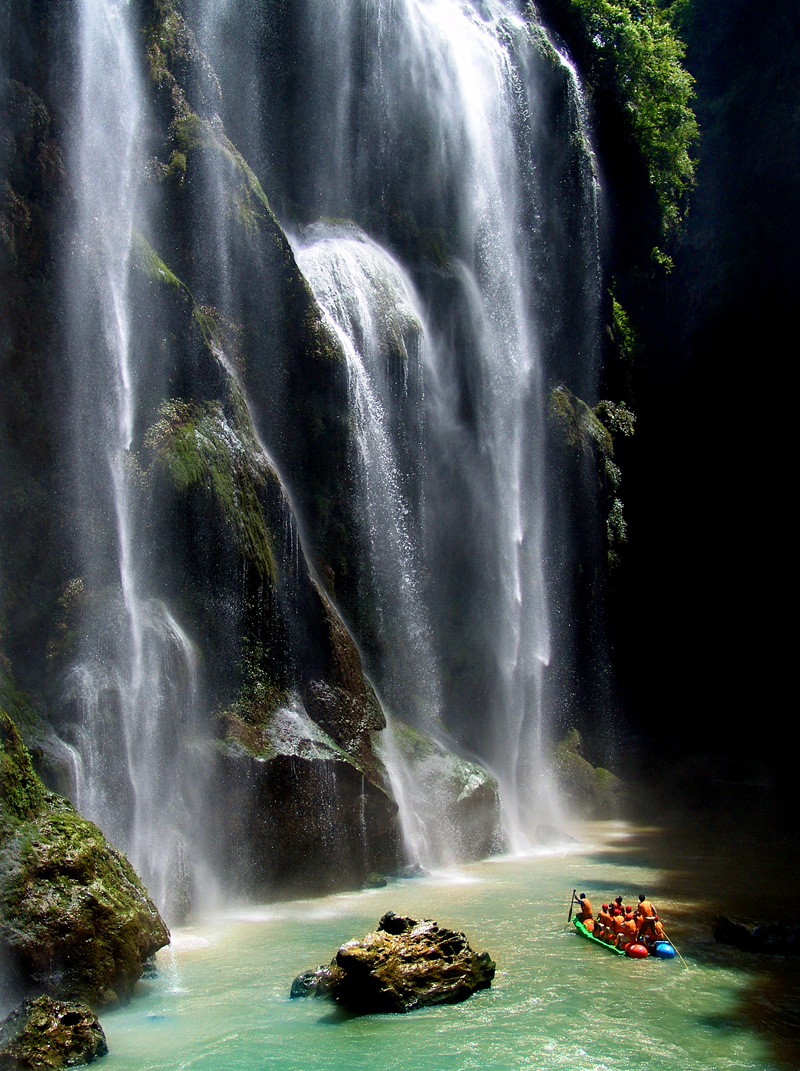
(622, 332)
(21, 791)
(590, 434)
(633, 52)
(197, 448)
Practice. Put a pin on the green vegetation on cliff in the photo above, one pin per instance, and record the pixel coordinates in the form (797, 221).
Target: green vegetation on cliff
(586, 434)
(630, 51)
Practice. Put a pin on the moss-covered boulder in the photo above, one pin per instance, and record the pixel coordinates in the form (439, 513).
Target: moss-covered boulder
(592, 791)
(75, 920)
(457, 802)
(404, 964)
(44, 1033)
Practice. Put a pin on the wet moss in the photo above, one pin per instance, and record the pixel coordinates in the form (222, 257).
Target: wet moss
(21, 791)
(155, 268)
(578, 424)
(75, 919)
(196, 447)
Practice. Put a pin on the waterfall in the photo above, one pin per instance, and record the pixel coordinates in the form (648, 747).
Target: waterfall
(370, 305)
(133, 688)
(444, 210)
(440, 142)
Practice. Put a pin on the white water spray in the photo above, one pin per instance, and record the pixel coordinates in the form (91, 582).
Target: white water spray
(135, 686)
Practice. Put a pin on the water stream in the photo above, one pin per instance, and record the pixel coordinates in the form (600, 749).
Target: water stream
(133, 689)
(221, 998)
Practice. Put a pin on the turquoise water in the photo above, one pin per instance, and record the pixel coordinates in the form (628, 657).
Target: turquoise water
(221, 999)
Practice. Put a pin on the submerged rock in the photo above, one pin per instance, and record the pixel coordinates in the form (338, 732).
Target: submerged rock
(405, 964)
(46, 1033)
(549, 834)
(770, 938)
(75, 920)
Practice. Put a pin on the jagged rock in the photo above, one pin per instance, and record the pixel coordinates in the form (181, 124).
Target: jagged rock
(412, 870)
(329, 824)
(771, 938)
(46, 1033)
(405, 964)
(75, 920)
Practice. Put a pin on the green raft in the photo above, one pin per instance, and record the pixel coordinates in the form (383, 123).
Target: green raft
(610, 948)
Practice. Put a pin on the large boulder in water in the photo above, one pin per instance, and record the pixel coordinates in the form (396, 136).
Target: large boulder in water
(75, 920)
(46, 1033)
(592, 791)
(405, 964)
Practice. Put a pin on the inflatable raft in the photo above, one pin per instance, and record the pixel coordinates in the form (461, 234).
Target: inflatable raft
(636, 950)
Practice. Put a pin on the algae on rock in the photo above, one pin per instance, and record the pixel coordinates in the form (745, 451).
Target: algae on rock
(594, 791)
(75, 920)
(48, 1034)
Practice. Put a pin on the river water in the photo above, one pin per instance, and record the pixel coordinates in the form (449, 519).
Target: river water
(220, 1001)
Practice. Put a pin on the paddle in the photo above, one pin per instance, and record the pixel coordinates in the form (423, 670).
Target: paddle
(571, 904)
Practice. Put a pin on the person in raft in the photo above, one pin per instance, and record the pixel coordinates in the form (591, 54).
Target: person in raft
(585, 915)
(649, 939)
(645, 915)
(604, 925)
(628, 929)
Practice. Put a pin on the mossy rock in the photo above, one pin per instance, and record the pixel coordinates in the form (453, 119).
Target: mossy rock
(48, 1034)
(585, 439)
(463, 798)
(593, 791)
(196, 446)
(75, 920)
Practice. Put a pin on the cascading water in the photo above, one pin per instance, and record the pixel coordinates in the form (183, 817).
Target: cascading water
(134, 686)
(370, 305)
(441, 143)
(439, 148)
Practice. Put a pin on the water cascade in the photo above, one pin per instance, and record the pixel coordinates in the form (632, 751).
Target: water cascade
(134, 688)
(371, 307)
(305, 486)
(441, 143)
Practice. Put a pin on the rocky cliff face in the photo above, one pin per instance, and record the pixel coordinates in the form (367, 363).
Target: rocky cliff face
(276, 452)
